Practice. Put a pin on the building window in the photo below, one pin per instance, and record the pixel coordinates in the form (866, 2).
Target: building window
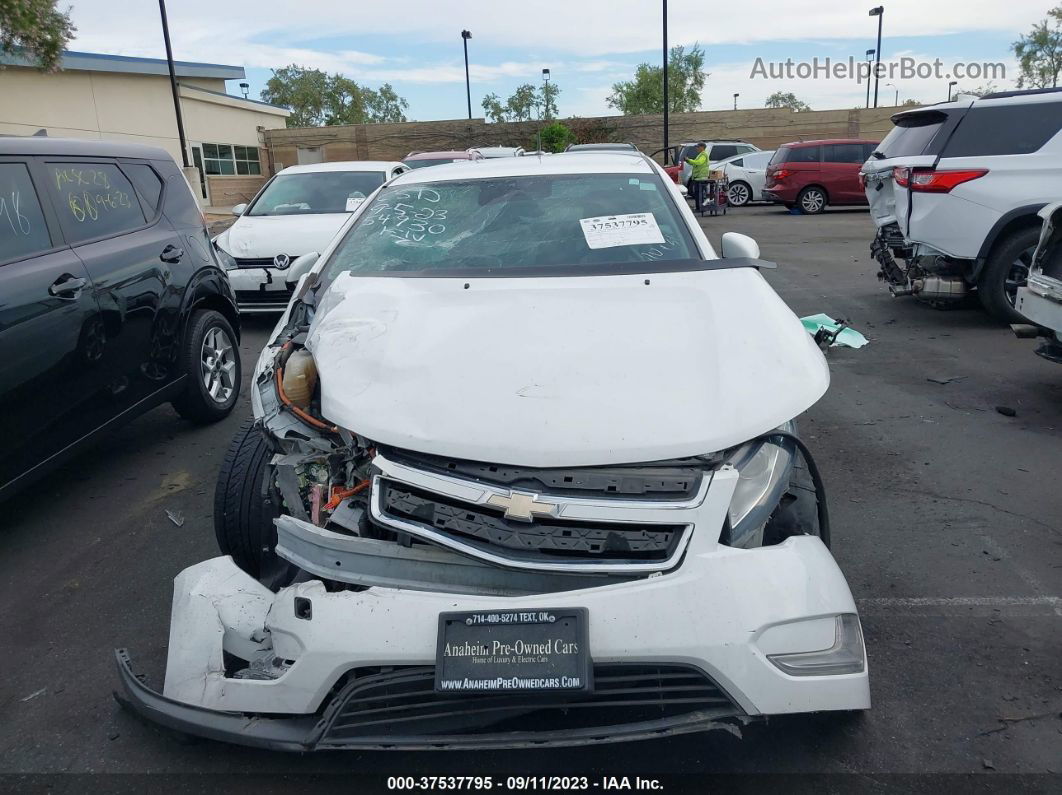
(247, 160)
(222, 159)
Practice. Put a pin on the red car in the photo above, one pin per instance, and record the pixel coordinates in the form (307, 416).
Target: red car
(813, 174)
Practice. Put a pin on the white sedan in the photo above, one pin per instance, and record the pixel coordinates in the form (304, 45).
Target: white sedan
(746, 175)
(476, 510)
(298, 211)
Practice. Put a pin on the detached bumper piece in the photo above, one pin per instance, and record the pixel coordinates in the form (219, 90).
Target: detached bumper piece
(399, 708)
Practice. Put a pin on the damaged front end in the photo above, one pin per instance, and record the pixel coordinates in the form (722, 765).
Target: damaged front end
(701, 587)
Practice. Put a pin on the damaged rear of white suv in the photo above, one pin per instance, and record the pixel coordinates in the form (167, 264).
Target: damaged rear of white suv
(522, 472)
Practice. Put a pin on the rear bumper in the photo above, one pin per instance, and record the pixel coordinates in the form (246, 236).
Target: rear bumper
(779, 195)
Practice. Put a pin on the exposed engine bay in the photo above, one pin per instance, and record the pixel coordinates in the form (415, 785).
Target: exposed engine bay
(358, 514)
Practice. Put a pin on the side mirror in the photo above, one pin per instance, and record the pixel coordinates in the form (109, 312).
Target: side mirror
(301, 266)
(682, 189)
(735, 245)
(239, 209)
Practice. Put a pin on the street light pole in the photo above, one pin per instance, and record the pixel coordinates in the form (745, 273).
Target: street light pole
(735, 100)
(465, 36)
(665, 79)
(545, 94)
(173, 84)
(952, 83)
(895, 99)
(870, 54)
(878, 12)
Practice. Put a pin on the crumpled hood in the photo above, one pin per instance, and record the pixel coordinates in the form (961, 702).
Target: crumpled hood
(269, 235)
(570, 371)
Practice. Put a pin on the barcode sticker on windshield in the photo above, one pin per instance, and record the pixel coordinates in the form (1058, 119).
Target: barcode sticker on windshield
(607, 231)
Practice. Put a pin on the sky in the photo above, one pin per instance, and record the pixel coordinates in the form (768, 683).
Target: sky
(588, 45)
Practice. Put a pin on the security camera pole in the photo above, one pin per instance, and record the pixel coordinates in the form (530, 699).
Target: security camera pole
(878, 12)
(173, 83)
(465, 36)
(870, 54)
(665, 79)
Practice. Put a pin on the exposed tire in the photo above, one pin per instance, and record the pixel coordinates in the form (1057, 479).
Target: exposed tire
(243, 509)
(812, 200)
(1006, 269)
(798, 511)
(211, 360)
(739, 194)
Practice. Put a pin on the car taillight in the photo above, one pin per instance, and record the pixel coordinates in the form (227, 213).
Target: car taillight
(781, 174)
(928, 180)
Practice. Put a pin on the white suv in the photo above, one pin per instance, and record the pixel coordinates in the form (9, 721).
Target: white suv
(954, 190)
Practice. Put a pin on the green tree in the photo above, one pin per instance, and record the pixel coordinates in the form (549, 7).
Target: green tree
(1039, 53)
(909, 103)
(493, 108)
(522, 104)
(785, 99)
(525, 104)
(317, 98)
(384, 106)
(547, 103)
(645, 93)
(36, 28)
(556, 136)
(980, 91)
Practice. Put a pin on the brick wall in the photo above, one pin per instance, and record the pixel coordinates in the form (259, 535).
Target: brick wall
(765, 127)
(226, 191)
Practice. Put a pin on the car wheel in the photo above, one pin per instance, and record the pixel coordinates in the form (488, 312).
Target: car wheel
(812, 200)
(211, 360)
(1007, 269)
(244, 509)
(739, 194)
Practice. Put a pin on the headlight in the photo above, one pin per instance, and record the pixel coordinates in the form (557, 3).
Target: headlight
(763, 476)
(225, 258)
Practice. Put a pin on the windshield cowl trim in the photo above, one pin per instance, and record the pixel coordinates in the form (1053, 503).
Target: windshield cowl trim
(568, 271)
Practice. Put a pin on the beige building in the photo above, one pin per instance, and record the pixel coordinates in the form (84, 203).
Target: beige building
(129, 99)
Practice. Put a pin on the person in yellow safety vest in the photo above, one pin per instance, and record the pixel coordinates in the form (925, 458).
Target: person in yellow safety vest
(699, 177)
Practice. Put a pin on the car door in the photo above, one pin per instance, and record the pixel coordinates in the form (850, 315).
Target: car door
(721, 152)
(754, 169)
(129, 250)
(50, 330)
(840, 169)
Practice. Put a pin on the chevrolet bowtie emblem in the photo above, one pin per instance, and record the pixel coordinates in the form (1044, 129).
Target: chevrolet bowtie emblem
(522, 506)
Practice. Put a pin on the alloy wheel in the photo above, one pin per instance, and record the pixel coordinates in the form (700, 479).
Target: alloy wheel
(739, 194)
(812, 201)
(218, 364)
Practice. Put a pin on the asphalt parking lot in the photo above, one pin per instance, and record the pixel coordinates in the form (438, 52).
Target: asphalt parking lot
(947, 520)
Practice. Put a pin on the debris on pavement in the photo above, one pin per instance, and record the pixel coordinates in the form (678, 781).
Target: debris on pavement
(835, 332)
(1006, 411)
(33, 695)
(946, 380)
(176, 517)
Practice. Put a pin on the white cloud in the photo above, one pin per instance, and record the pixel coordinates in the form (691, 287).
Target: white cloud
(208, 29)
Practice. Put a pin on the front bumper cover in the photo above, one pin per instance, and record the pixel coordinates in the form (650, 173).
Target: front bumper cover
(722, 613)
(321, 732)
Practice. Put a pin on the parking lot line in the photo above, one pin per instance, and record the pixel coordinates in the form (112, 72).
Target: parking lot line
(934, 606)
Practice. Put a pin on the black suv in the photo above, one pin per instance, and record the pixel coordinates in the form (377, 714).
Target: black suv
(111, 301)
